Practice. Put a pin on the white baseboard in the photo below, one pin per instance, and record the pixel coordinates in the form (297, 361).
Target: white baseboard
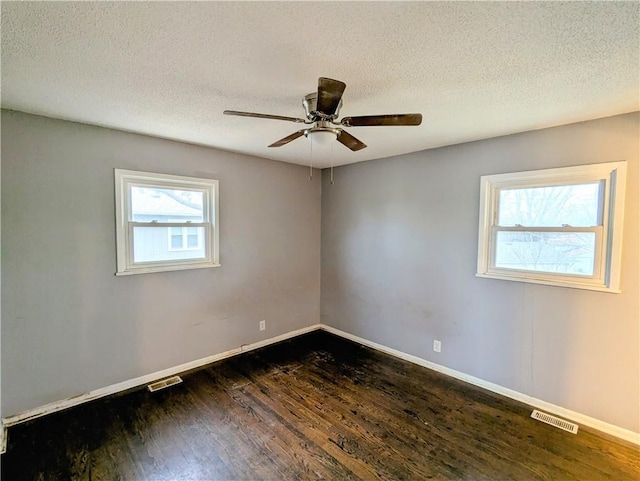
(594, 423)
(138, 381)
(579, 418)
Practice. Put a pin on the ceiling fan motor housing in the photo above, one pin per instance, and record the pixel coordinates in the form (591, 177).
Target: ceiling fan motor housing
(310, 104)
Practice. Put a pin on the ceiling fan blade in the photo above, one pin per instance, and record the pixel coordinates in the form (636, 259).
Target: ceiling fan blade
(329, 95)
(392, 119)
(288, 139)
(345, 138)
(263, 116)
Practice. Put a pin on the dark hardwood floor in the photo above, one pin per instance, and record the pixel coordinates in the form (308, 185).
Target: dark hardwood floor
(315, 407)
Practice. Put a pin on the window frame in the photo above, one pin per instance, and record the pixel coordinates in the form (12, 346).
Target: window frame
(608, 232)
(124, 180)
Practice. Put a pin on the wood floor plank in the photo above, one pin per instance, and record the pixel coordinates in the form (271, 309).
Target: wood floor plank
(313, 408)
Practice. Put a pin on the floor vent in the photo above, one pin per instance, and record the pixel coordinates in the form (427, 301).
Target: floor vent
(554, 421)
(164, 383)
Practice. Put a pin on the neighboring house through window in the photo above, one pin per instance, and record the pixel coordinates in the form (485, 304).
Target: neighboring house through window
(185, 238)
(556, 226)
(165, 222)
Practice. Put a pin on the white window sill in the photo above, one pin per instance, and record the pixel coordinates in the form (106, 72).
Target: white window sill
(551, 282)
(177, 267)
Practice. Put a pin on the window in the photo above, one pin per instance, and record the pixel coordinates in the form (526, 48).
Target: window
(560, 227)
(165, 222)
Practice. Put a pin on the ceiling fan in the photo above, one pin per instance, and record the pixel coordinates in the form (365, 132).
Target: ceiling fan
(322, 109)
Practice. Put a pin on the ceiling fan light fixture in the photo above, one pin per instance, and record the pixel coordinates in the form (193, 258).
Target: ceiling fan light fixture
(322, 137)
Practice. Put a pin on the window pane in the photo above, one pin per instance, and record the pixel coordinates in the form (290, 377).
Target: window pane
(151, 244)
(166, 205)
(192, 241)
(556, 252)
(576, 205)
(176, 241)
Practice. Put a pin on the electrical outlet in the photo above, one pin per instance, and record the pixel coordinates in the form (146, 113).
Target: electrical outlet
(437, 346)
(263, 325)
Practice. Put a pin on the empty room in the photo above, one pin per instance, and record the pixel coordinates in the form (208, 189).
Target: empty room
(320, 240)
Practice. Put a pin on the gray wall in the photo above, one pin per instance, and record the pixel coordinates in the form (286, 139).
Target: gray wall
(399, 240)
(69, 325)
(399, 249)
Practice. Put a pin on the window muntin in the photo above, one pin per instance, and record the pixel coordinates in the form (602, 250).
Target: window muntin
(165, 222)
(556, 226)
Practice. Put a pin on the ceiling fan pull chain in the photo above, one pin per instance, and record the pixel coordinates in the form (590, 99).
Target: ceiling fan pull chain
(311, 161)
(331, 164)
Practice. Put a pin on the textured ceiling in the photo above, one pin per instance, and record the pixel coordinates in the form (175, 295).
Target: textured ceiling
(474, 70)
